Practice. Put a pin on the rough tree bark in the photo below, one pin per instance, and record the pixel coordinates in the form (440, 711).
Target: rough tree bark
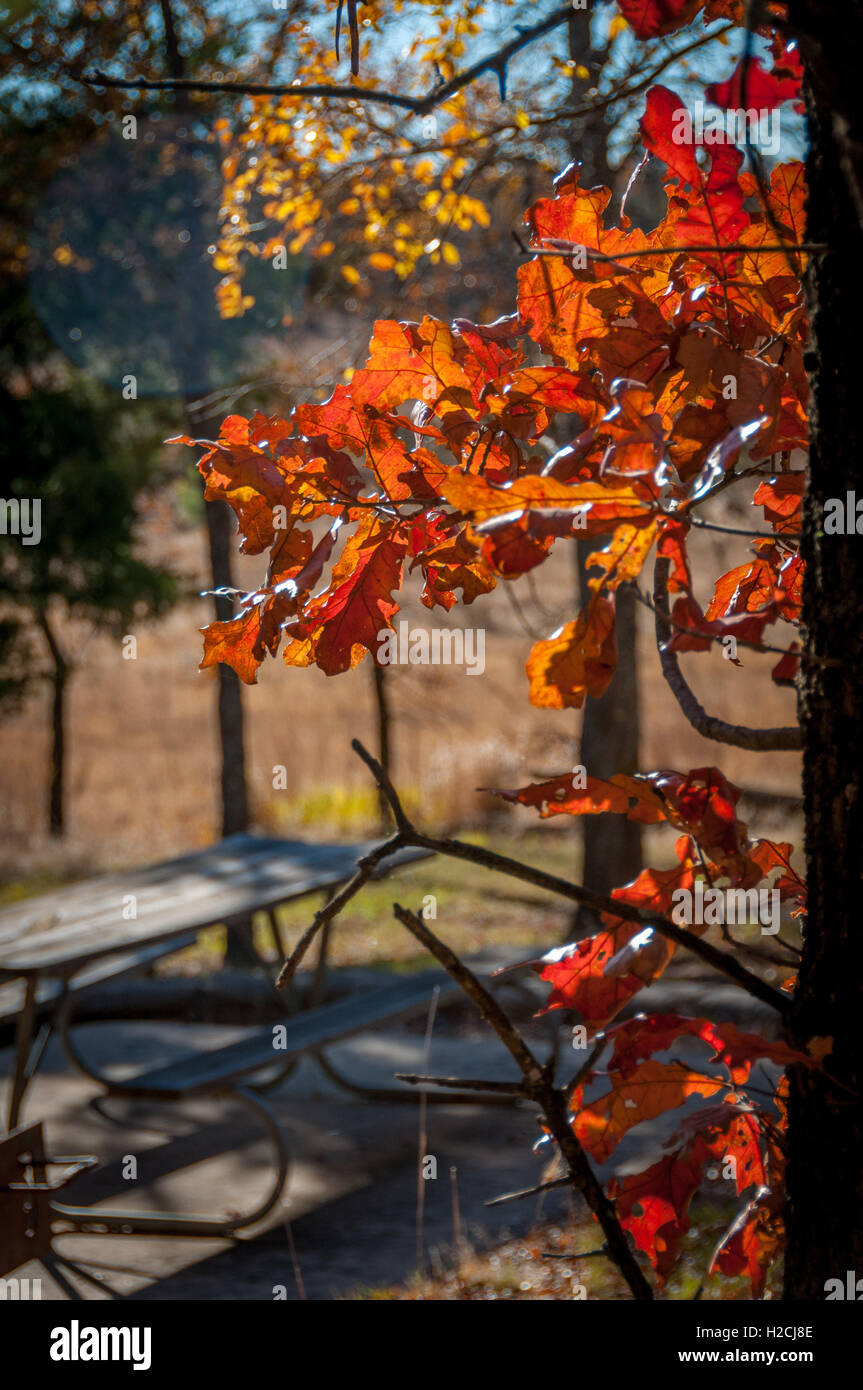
(825, 1186)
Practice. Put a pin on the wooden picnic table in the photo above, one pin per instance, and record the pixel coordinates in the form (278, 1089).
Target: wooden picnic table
(81, 935)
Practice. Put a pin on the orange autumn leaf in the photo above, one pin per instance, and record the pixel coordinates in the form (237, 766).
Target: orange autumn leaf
(628, 796)
(647, 1092)
(577, 662)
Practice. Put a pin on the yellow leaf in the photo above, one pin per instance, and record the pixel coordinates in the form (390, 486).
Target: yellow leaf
(522, 120)
(382, 260)
(618, 26)
(351, 274)
(449, 253)
(582, 72)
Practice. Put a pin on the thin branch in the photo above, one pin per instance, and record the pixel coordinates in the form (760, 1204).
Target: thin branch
(495, 63)
(728, 480)
(737, 735)
(528, 1192)
(550, 1100)
(778, 536)
(761, 647)
(385, 787)
(737, 248)
(490, 1009)
(365, 870)
(576, 1255)
(463, 1083)
(598, 902)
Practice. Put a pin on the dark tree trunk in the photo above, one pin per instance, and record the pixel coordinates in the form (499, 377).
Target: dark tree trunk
(382, 708)
(825, 1186)
(235, 814)
(240, 950)
(609, 744)
(60, 673)
(611, 845)
(234, 802)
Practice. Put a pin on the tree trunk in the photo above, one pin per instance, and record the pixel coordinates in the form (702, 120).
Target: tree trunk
(609, 744)
(611, 845)
(825, 1190)
(382, 708)
(235, 812)
(234, 802)
(61, 671)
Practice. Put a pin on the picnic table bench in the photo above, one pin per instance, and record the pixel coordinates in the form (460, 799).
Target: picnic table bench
(60, 944)
(56, 945)
(30, 1213)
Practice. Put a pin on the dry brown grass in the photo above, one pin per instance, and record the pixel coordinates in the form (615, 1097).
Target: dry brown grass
(535, 1267)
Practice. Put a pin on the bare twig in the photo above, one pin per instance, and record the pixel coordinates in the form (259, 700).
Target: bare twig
(463, 1083)
(298, 1273)
(598, 902)
(550, 1100)
(496, 63)
(778, 536)
(736, 248)
(365, 868)
(528, 1192)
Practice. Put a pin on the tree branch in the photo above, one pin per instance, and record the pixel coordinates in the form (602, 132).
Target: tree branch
(735, 248)
(408, 835)
(550, 1100)
(494, 62)
(365, 869)
(464, 1083)
(529, 1192)
(737, 735)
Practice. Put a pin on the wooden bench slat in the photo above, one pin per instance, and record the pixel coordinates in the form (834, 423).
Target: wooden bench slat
(199, 1072)
(48, 990)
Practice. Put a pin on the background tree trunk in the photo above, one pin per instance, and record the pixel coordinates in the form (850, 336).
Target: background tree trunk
(235, 811)
(609, 744)
(383, 712)
(825, 1189)
(611, 845)
(239, 950)
(60, 673)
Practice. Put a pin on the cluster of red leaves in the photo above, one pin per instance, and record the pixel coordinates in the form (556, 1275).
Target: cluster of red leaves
(669, 362)
(430, 459)
(598, 976)
(601, 974)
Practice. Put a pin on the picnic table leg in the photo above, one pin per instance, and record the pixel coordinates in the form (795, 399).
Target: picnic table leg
(290, 993)
(23, 1046)
(319, 979)
(100, 1221)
